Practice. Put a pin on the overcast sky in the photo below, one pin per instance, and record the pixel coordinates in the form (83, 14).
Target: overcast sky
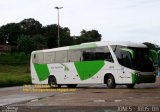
(116, 20)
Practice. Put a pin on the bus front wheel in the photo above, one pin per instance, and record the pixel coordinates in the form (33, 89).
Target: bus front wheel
(110, 82)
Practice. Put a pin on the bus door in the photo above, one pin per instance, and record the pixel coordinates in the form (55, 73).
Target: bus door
(125, 61)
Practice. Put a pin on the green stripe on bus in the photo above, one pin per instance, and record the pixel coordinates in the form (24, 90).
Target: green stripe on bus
(88, 69)
(42, 71)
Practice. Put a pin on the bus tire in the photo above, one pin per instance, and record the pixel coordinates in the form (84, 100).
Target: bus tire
(110, 82)
(53, 83)
(130, 86)
(72, 85)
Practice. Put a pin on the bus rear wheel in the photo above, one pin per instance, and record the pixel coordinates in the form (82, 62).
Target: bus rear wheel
(110, 82)
(72, 85)
(53, 83)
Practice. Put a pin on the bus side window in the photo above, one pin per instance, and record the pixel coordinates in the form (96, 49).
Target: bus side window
(49, 57)
(99, 53)
(74, 55)
(89, 55)
(34, 56)
(37, 58)
(103, 53)
(86, 56)
(61, 57)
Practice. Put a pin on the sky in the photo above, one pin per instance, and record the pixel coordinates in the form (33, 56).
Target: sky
(115, 20)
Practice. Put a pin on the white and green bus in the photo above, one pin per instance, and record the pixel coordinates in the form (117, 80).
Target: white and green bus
(111, 63)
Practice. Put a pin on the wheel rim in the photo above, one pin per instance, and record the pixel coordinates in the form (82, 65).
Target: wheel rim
(53, 83)
(109, 81)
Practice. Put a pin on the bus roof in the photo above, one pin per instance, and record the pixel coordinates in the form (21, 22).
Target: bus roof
(121, 43)
(95, 44)
(129, 44)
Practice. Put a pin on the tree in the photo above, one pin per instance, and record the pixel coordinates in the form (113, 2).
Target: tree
(151, 46)
(10, 33)
(153, 51)
(51, 33)
(42, 37)
(30, 26)
(65, 38)
(40, 41)
(26, 44)
(89, 36)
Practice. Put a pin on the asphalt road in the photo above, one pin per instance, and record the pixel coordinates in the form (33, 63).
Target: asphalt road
(145, 97)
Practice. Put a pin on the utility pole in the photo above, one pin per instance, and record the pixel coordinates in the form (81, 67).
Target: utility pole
(58, 24)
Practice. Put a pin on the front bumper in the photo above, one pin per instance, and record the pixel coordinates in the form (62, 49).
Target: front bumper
(139, 78)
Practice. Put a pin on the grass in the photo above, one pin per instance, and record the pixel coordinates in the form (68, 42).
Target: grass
(14, 58)
(14, 75)
(14, 70)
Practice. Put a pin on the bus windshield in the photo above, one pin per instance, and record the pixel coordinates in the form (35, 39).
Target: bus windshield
(134, 58)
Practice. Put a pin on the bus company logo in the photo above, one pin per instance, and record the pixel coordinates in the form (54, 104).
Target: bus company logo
(56, 67)
(65, 67)
(60, 67)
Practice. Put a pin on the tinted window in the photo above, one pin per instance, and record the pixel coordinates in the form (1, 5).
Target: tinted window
(100, 53)
(103, 53)
(140, 61)
(125, 59)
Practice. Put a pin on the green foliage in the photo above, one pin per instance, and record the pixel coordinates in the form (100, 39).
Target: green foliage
(40, 41)
(153, 52)
(151, 46)
(14, 59)
(14, 69)
(10, 33)
(89, 36)
(50, 32)
(154, 55)
(30, 27)
(65, 37)
(14, 75)
(26, 44)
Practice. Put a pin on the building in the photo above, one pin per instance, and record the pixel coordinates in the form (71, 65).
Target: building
(5, 48)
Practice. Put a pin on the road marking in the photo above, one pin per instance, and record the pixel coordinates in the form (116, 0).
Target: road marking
(98, 101)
